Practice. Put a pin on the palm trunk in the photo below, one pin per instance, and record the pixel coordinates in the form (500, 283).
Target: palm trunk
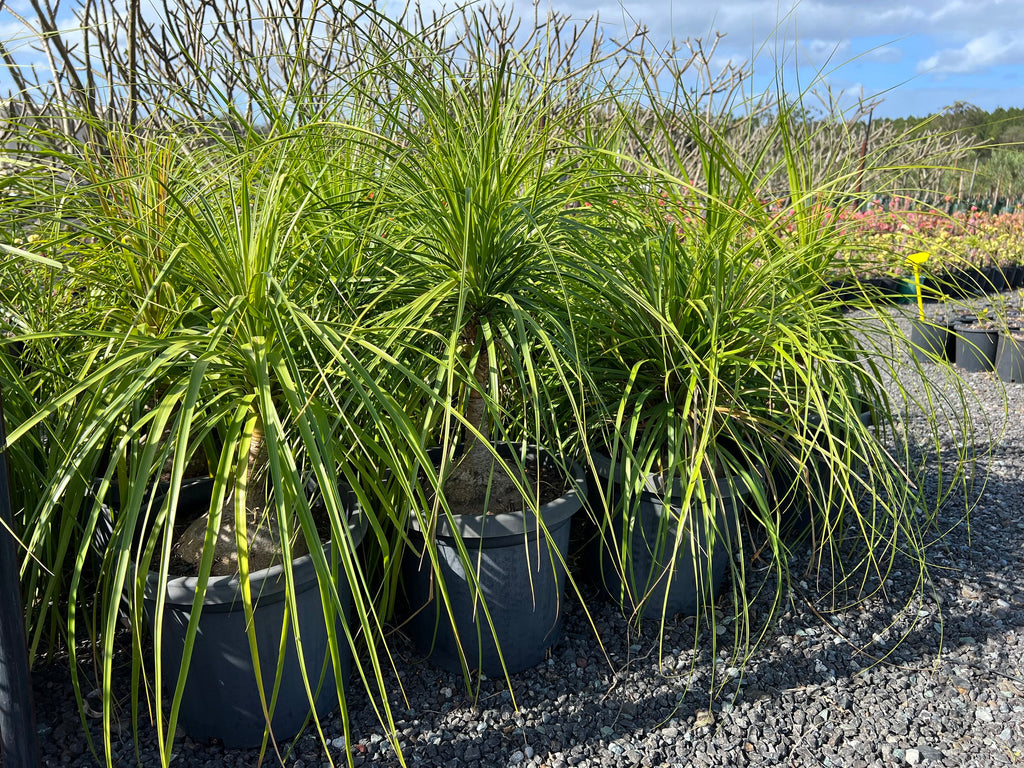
(262, 530)
(476, 410)
(479, 484)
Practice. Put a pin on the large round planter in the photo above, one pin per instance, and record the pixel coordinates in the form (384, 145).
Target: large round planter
(660, 578)
(517, 570)
(976, 348)
(932, 340)
(221, 699)
(1010, 357)
(796, 492)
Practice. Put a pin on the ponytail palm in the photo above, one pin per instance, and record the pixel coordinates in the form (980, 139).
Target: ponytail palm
(483, 193)
(251, 371)
(726, 354)
(483, 212)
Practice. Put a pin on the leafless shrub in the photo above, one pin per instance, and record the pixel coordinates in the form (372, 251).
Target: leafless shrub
(240, 63)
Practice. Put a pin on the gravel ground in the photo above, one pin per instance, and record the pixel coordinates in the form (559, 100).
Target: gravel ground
(833, 690)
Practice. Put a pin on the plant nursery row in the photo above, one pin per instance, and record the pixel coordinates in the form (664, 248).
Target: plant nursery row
(346, 360)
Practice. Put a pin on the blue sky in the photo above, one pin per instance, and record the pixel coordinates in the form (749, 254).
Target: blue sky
(920, 56)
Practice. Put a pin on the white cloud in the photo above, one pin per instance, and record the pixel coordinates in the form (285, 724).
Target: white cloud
(768, 20)
(979, 53)
(955, 17)
(885, 54)
(821, 51)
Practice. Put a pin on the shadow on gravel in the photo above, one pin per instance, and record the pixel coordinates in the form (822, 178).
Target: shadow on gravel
(577, 704)
(899, 638)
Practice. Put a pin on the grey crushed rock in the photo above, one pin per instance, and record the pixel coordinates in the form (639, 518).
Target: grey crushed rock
(835, 689)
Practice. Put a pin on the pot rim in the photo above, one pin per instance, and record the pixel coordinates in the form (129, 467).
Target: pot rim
(964, 328)
(508, 528)
(265, 584)
(654, 484)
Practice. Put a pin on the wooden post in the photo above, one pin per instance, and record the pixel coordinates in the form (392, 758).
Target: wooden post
(18, 747)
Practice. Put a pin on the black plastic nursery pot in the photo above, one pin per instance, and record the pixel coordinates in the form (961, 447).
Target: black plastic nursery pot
(675, 561)
(933, 340)
(877, 290)
(882, 290)
(795, 491)
(963, 283)
(993, 280)
(1010, 357)
(1010, 272)
(976, 348)
(517, 572)
(1015, 276)
(221, 698)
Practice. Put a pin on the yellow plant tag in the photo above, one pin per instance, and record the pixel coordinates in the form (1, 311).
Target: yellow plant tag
(917, 259)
